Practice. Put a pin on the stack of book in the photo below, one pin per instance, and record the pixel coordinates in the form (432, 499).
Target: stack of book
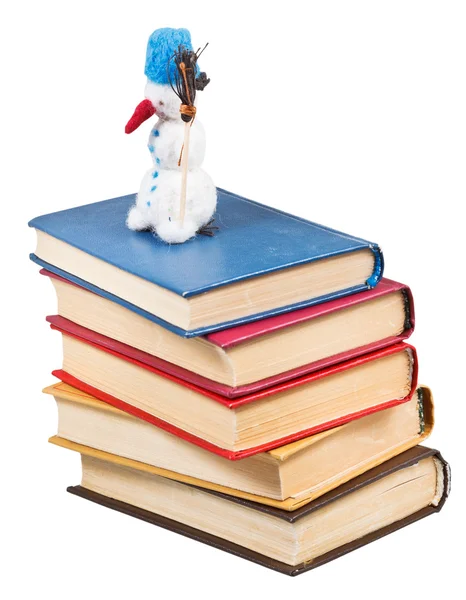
(251, 390)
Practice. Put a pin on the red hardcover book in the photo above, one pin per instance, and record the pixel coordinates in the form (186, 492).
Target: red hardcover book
(92, 351)
(227, 338)
(242, 335)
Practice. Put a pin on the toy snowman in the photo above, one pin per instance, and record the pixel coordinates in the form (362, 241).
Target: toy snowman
(177, 198)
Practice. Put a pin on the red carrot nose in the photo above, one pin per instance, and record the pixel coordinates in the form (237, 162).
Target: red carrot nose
(144, 110)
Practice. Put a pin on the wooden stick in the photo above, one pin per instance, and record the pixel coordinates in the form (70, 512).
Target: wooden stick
(184, 172)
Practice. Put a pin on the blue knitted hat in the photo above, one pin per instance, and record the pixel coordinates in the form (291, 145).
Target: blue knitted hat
(161, 46)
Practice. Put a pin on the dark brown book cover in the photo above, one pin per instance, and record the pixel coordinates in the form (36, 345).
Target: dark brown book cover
(406, 459)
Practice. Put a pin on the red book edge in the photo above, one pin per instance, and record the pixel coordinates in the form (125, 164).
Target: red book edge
(229, 454)
(233, 336)
(235, 402)
(66, 326)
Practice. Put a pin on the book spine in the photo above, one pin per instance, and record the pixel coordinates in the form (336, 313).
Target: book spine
(378, 266)
(409, 310)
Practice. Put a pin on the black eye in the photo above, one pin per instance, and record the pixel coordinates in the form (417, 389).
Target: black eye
(161, 102)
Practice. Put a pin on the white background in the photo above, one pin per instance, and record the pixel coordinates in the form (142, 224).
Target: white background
(351, 114)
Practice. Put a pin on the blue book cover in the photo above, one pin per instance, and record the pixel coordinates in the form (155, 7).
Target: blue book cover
(252, 240)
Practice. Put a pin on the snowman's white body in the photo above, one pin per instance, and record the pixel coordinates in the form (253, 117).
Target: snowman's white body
(158, 201)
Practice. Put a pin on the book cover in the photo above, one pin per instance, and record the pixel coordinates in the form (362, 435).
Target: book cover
(233, 403)
(253, 240)
(235, 336)
(407, 459)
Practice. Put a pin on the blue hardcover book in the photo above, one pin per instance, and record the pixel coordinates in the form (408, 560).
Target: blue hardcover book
(261, 262)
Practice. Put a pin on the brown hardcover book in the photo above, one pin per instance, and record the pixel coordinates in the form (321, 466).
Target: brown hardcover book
(402, 490)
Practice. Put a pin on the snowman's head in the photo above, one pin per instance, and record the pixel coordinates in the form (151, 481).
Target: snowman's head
(160, 71)
(165, 102)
